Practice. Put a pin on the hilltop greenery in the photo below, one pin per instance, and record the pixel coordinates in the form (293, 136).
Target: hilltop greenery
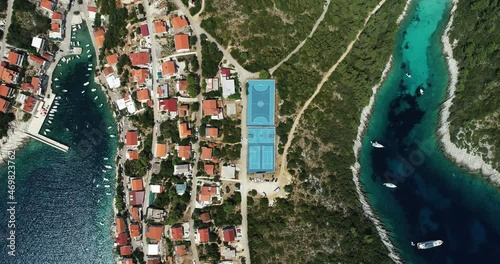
(116, 32)
(5, 119)
(211, 58)
(476, 106)
(25, 24)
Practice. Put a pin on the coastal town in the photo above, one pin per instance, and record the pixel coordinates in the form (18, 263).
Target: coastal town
(188, 130)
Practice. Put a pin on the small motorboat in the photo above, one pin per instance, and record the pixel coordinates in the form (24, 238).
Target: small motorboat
(390, 185)
(90, 65)
(112, 136)
(421, 91)
(45, 133)
(50, 122)
(375, 144)
(100, 105)
(83, 91)
(101, 223)
(89, 56)
(87, 74)
(103, 170)
(55, 107)
(107, 185)
(51, 114)
(108, 167)
(85, 84)
(95, 98)
(408, 75)
(108, 193)
(65, 91)
(105, 158)
(77, 56)
(48, 130)
(89, 69)
(57, 85)
(429, 244)
(93, 90)
(110, 127)
(56, 79)
(88, 51)
(87, 46)
(105, 179)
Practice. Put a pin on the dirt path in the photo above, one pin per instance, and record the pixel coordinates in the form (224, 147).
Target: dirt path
(201, 9)
(10, 4)
(327, 75)
(325, 8)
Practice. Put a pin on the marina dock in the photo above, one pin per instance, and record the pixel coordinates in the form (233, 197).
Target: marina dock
(41, 112)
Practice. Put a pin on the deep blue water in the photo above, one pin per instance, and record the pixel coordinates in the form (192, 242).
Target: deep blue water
(435, 199)
(64, 212)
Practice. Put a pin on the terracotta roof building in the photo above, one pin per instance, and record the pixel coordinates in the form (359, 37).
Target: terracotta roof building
(134, 214)
(176, 233)
(136, 184)
(6, 91)
(125, 250)
(204, 235)
(140, 76)
(205, 217)
(212, 132)
(29, 104)
(154, 233)
(15, 58)
(180, 250)
(132, 138)
(134, 230)
(211, 107)
(161, 150)
(112, 59)
(209, 169)
(143, 95)
(35, 59)
(168, 68)
(206, 153)
(179, 22)
(206, 193)
(4, 105)
(121, 239)
(139, 58)
(57, 16)
(132, 155)
(184, 130)
(136, 197)
(120, 225)
(228, 234)
(99, 36)
(182, 86)
(48, 5)
(181, 42)
(160, 27)
(169, 105)
(108, 71)
(7, 75)
(184, 152)
(144, 30)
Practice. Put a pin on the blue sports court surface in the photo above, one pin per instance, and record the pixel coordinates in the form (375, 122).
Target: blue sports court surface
(260, 103)
(261, 130)
(261, 149)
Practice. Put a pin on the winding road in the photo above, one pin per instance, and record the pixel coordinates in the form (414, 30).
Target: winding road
(325, 8)
(291, 134)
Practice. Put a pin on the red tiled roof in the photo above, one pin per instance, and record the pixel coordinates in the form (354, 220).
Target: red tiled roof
(47, 5)
(161, 150)
(183, 110)
(177, 233)
(144, 30)
(92, 9)
(212, 132)
(136, 197)
(35, 82)
(180, 250)
(184, 152)
(55, 27)
(206, 153)
(7, 75)
(209, 169)
(206, 193)
(211, 107)
(181, 42)
(99, 36)
(56, 16)
(179, 22)
(140, 75)
(182, 85)
(204, 235)
(29, 104)
(134, 214)
(133, 155)
(134, 230)
(168, 68)
(160, 27)
(13, 57)
(169, 105)
(132, 138)
(184, 130)
(225, 72)
(139, 58)
(125, 250)
(112, 59)
(228, 235)
(4, 105)
(154, 233)
(6, 91)
(136, 184)
(143, 95)
(108, 71)
(26, 87)
(121, 239)
(36, 59)
(205, 217)
(120, 225)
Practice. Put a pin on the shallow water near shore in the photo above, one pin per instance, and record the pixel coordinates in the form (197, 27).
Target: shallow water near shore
(434, 199)
(64, 211)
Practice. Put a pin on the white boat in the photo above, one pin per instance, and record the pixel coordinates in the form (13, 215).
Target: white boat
(87, 46)
(89, 56)
(89, 69)
(79, 27)
(59, 64)
(83, 91)
(108, 193)
(65, 91)
(429, 244)
(112, 136)
(421, 91)
(110, 127)
(390, 185)
(105, 179)
(100, 105)
(56, 79)
(50, 122)
(55, 107)
(58, 97)
(103, 170)
(51, 114)
(105, 158)
(91, 65)
(101, 223)
(88, 51)
(108, 167)
(97, 185)
(85, 84)
(73, 29)
(57, 85)
(95, 98)
(408, 75)
(93, 180)
(93, 90)
(375, 144)
(78, 43)
(77, 56)
(87, 74)
(45, 133)
(48, 130)
(56, 103)
(107, 186)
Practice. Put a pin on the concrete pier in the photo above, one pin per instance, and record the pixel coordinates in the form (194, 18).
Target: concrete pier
(40, 113)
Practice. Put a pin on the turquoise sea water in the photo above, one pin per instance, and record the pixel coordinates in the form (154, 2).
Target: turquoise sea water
(63, 211)
(435, 199)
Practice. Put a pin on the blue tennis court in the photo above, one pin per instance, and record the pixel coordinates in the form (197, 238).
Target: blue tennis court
(261, 149)
(261, 103)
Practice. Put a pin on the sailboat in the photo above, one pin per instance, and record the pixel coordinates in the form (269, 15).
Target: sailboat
(390, 185)
(375, 144)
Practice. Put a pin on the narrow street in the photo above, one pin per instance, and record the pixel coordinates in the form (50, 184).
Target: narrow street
(10, 4)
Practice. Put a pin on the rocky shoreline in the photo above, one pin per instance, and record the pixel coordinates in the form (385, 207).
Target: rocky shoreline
(15, 139)
(471, 162)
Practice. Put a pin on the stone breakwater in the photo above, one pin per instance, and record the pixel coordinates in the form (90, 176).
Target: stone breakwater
(459, 155)
(364, 121)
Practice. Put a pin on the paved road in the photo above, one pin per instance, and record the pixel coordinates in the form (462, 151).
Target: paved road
(325, 8)
(10, 3)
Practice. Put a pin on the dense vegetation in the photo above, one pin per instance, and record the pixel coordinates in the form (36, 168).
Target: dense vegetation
(5, 119)
(476, 107)
(116, 32)
(323, 222)
(261, 32)
(211, 57)
(25, 24)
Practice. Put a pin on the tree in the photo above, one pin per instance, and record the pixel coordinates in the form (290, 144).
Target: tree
(264, 74)
(97, 20)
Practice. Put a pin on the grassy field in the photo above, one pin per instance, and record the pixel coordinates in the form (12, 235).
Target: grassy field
(260, 33)
(476, 107)
(323, 221)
